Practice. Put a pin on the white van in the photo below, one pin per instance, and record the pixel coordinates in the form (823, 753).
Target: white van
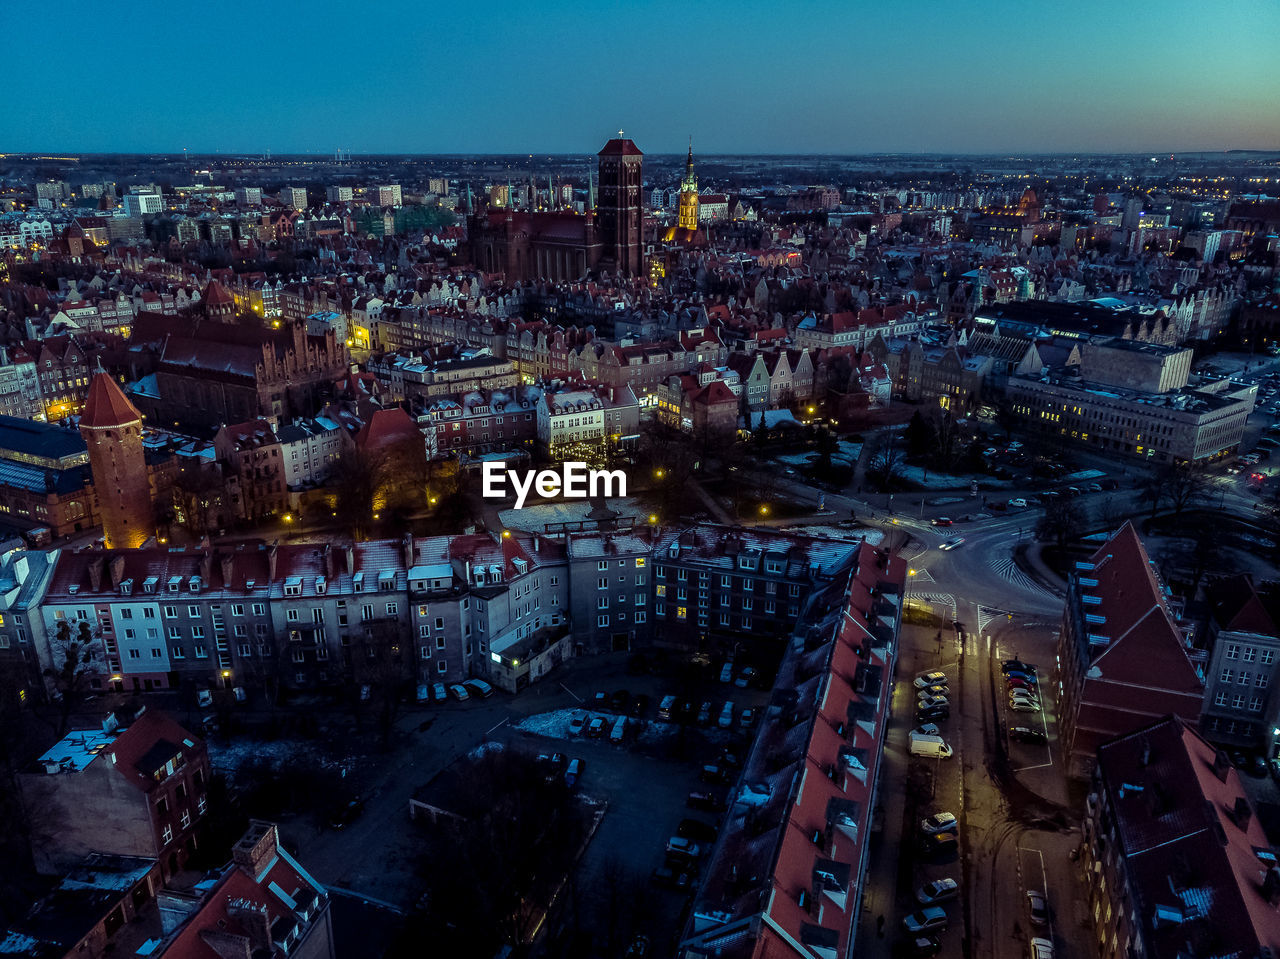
(619, 730)
(932, 746)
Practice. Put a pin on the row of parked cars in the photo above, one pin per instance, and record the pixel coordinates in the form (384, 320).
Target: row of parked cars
(726, 716)
(439, 692)
(1022, 686)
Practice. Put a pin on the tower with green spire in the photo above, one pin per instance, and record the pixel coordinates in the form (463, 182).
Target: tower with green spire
(688, 218)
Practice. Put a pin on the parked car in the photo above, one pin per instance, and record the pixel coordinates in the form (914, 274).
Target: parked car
(680, 846)
(926, 729)
(942, 521)
(666, 706)
(1016, 665)
(929, 919)
(745, 678)
(938, 689)
(927, 714)
(1023, 706)
(1024, 734)
(704, 714)
(747, 718)
(668, 877)
(346, 814)
(478, 687)
(438, 692)
(696, 829)
(940, 822)
(929, 702)
(596, 727)
(1040, 949)
(712, 802)
(923, 946)
(1017, 682)
(1038, 907)
(939, 890)
(619, 731)
(577, 723)
(1018, 502)
(934, 678)
(459, 692)
(726, 672)
(573, 773)
(715, 774)
(942, 845)
(955, 542)
(726, 716)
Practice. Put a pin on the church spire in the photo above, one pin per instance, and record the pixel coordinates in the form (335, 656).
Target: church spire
(688, 166)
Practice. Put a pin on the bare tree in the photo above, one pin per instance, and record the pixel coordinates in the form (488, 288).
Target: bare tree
(77, 655)
(1062, 522)
(384, 663)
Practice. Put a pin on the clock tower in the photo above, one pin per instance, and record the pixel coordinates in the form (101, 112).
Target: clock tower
(688, 219)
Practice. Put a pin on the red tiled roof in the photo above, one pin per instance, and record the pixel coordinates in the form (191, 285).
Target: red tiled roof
(107, 406)
(139, 742)
(623, 146)
(215, 294)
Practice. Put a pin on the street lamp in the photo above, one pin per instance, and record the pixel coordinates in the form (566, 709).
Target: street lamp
(764, 510)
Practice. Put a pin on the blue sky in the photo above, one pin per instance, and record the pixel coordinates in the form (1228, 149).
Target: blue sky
(555, 77)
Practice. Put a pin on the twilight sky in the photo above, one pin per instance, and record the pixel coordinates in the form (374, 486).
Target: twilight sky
(559, 76)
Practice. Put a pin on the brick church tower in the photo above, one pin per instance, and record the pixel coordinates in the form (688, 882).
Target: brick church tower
(112, 429)
(620, 214)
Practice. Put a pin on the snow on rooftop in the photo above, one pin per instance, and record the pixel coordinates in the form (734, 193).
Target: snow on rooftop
(78, 749)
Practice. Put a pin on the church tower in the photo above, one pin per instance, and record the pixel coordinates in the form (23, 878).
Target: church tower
(688, 219)
(619, 214)
(112, 429)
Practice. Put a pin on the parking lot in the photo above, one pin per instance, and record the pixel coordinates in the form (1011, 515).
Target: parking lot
(646, 780)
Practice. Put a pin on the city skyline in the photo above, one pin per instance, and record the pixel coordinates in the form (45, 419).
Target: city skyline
(744, 80)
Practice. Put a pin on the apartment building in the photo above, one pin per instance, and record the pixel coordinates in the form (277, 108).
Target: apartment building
(1116, 624)
(1243, 641)
(786, 875)
(1176, 860)
(141, 772)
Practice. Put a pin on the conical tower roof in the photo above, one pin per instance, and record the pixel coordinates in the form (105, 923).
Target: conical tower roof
(107, 406)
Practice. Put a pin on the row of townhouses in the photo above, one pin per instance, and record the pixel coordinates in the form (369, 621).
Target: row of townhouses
(506, 607)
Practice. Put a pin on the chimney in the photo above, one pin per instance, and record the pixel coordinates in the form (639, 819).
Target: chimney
(95, 573)
(1221, 765)
(1242, 813)
(256, 848)
(329, 560)
(407, 546)
(271, 561)
(1271, 885)
(255, 920)
(351, 559)
(206, 566)
(227, 562)
(117, 570)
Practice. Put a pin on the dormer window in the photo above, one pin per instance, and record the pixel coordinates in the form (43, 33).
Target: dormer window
(126, 587)
(194, 584)
(293, 586)
(149, 584)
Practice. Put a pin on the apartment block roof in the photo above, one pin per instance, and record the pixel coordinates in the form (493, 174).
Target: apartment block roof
(1196, 856)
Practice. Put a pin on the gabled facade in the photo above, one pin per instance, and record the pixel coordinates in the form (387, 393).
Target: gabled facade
(1116, 627)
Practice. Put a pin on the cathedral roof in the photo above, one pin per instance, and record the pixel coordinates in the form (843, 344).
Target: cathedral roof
(107, 405)
(621, 146)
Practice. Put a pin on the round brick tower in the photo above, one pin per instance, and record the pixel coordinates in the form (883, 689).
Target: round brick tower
(112, 429)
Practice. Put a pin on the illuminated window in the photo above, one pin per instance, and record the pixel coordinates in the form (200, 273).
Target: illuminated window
(682, 612)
